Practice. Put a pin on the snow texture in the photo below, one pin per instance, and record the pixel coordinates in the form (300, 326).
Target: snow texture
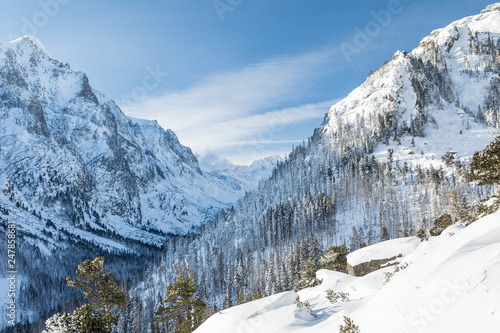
(450, 285)
(383, 250)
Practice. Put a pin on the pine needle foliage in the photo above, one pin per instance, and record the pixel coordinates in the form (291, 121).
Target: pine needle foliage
(182, 307)
(106, 299)
(335, 258)
(485, 164)
(349, 326)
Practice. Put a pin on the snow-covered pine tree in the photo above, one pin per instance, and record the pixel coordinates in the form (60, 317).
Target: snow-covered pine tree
(308, 275)
(335, 258)
(228, 297)
(485, 164)
(107, 301)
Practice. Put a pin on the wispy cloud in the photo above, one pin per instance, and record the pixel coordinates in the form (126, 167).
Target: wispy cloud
(259, 128)
(241, 107)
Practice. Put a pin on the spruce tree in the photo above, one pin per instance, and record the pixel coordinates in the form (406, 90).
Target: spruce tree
(308, 275)
(181, 305)
(228, 297)
(252, 295)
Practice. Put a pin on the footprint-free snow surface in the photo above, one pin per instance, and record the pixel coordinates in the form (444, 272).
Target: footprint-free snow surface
(450, 284)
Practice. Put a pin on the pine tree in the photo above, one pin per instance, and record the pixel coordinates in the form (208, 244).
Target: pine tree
(313, 248)
(305, 306)
(335, 258)
(107, 301)
(240, 277)
(62, 323)
(422, 231)
(271, 280)
(486, 164)
(253, 294)
(181, 304)
(228, 298)
(384, 234)
(308, 275)
(349, 326)
(354, 240)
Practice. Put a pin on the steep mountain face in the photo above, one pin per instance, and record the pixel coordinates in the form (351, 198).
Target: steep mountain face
(443, 96)
(70, 155)
(81, 179)
(388, 160)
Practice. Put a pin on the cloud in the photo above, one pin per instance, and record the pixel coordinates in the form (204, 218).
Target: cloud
(238, 107)
(260, 128)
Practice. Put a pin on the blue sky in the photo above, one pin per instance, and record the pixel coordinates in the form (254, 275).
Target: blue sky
(242, 79)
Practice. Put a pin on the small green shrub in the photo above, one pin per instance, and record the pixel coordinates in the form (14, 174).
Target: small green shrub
(334, 297)
(349, 326)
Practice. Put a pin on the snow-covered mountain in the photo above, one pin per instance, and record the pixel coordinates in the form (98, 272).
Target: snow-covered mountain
(246, 176)
(447, 284)
(75, 168)
(443, 96)
(82, 179)
(68, 154)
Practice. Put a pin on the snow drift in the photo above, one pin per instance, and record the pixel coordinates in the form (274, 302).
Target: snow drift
(450, 284)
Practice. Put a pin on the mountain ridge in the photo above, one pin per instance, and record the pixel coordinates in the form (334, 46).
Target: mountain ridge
(445, 65)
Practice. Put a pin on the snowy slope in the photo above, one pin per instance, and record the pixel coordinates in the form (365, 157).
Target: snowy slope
(383, 250)
(429, 100)
(450, 285)
(68, 154)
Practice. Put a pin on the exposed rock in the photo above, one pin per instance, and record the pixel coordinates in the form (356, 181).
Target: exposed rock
(371, 266)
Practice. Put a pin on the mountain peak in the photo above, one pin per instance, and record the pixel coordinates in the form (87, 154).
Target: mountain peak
(443, 86)
(29, 42)
(491, 8)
